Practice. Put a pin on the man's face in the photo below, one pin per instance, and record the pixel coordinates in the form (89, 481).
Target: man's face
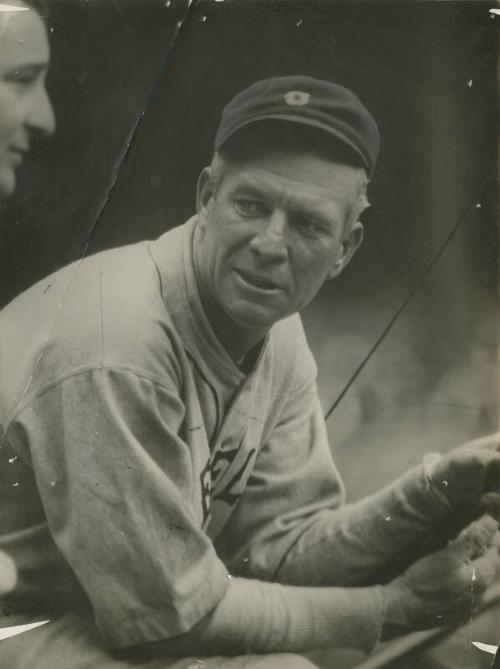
(25, 109)
(274, 230)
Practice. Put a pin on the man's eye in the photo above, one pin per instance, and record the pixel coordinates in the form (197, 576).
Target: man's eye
(310, 225)
(249, 207)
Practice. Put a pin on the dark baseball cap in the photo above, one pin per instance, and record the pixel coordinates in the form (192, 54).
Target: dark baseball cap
(308, 101)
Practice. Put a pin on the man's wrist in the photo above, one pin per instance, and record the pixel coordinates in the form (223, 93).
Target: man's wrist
(396, 596)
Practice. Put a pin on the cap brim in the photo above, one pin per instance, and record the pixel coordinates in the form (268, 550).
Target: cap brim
(299, 121)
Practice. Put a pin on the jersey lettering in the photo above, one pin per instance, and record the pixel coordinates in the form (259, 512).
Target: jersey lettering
(211, 478)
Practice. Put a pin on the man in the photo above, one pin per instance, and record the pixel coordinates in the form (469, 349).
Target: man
(25, 109)
(165, 466)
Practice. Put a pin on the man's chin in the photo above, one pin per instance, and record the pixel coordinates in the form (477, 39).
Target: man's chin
(254, 318)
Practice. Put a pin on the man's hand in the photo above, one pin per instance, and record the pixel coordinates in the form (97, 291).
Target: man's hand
(445, 587)
(8, 574)
(469, 472)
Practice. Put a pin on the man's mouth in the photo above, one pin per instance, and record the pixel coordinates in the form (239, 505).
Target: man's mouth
(258, 281)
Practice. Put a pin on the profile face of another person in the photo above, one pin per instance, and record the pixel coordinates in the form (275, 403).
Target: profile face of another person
(25, 109)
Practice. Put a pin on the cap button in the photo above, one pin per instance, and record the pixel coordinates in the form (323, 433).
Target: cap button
(297, 98)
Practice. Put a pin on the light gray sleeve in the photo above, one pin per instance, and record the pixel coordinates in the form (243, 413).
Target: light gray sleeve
(368, 542)
(262, 617)
(292, 526)
(115, 479)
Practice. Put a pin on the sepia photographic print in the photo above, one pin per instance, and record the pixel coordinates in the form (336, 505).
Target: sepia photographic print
(249, 305)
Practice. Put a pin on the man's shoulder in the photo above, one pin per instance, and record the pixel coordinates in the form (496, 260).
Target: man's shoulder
(60, 284)
(73, 301)
(289, 337)
(105, 310)
(292, 358)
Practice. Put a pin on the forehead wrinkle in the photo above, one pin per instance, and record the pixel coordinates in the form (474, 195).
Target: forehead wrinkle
(302, 168)
(287, 191)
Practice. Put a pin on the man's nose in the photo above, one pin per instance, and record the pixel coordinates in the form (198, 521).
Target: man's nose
(40, 117)
(270, 242)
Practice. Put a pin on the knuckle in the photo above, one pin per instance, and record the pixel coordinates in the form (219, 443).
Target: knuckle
(479, 534)
(480, 585)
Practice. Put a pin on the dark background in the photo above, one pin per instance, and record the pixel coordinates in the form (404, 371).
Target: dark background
(426, 70)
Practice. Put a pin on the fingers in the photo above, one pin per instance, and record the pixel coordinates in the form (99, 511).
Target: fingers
(484, 570)
(467, 473)
(8, 574)
(485, 460)
(475, 539)
(444, 587)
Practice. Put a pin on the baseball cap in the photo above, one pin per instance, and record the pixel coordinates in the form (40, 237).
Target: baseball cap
(307, 101)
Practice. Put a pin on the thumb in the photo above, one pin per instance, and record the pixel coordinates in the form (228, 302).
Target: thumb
(484, 570)
(475, 539)
(8, 574)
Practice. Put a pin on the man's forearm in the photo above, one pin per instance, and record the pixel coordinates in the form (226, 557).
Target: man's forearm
(259, 617)
(350, 546)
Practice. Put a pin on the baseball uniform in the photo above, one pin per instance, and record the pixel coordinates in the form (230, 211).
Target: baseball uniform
(140, 465)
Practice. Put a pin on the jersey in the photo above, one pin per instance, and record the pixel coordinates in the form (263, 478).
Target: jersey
(136, 458)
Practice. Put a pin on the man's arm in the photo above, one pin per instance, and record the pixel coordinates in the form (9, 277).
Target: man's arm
(265, 617)
(127, 528)
(118, 485)
(116, 480)
(291, 525)
(415, 515)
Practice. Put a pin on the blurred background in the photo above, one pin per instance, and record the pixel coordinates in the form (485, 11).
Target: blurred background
(138, 87)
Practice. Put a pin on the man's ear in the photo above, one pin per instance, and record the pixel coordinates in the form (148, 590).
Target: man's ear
(350, 245)
(204, 194)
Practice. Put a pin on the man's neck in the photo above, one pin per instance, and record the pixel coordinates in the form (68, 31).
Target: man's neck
(240, 343)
